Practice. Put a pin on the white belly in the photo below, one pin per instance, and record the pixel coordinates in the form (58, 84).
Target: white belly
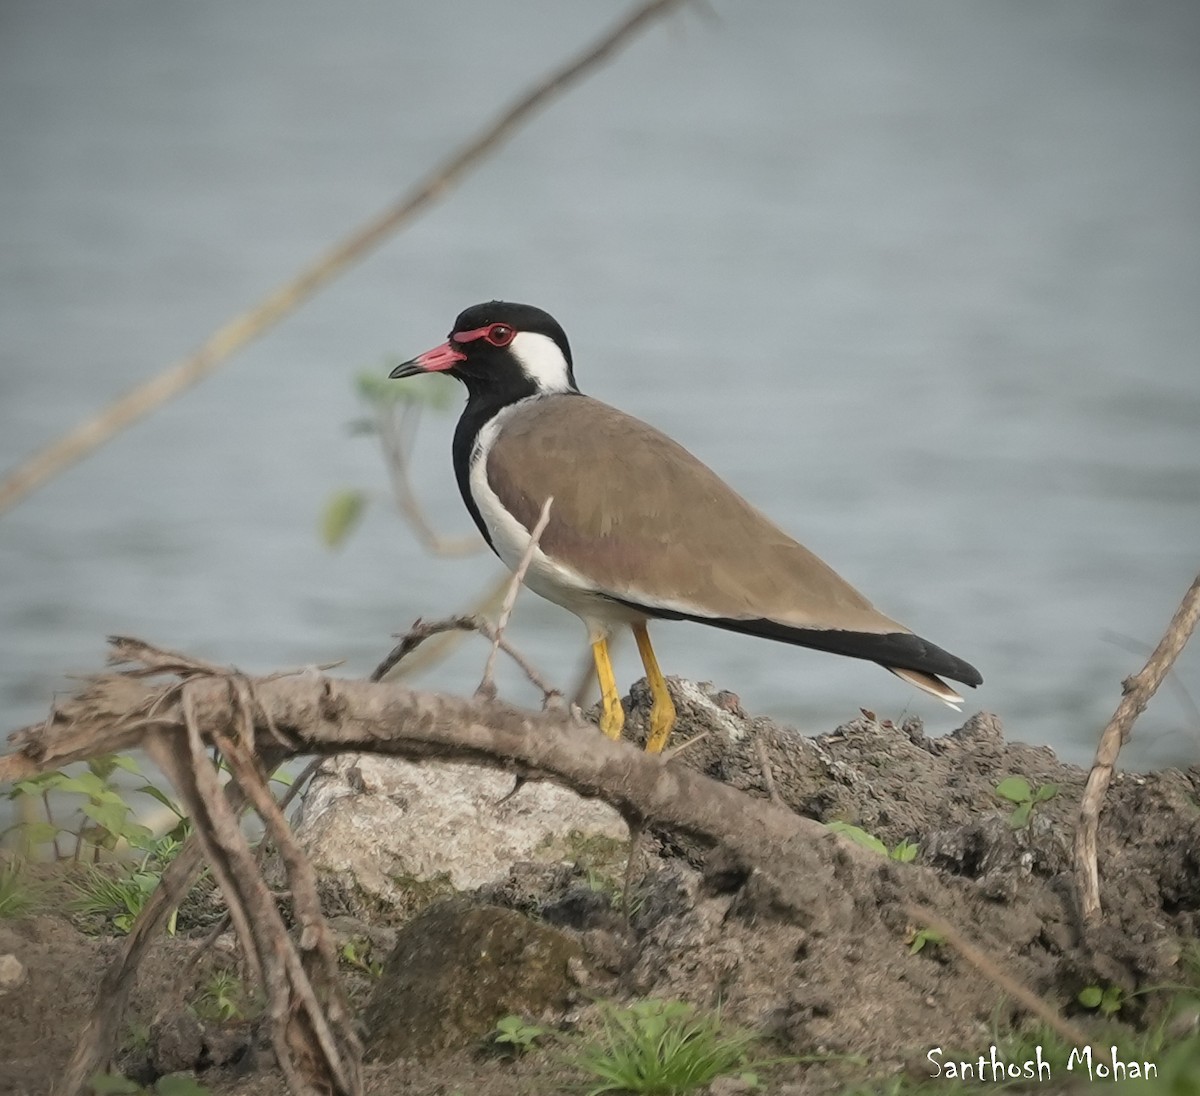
(544, 576)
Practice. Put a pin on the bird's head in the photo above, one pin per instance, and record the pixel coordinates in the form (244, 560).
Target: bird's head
(501, 349)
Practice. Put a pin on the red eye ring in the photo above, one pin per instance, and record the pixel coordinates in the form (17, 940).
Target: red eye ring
(499, 334)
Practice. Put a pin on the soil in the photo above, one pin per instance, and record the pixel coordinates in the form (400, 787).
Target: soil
(820, 960)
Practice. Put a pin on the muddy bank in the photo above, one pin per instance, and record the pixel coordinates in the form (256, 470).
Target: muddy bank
(814, 949)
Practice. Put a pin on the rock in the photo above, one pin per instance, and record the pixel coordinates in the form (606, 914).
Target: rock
(457, 968)
(12, 973)
(402, 829)
(176, 1043)
(180, 1042)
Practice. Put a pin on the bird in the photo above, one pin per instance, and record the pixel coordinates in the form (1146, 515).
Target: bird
(637, 529)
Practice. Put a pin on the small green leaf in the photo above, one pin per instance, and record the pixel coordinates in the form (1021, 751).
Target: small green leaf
(1046, 791)
(1014, 788)
(905, 852)
(35, 785)
(342, 513)
(108, 816)
(162, 797)
(1110, 1003)
(39, 833)
(922, 937)
(1090, 996)
(129, 764)
(83, 784)
(1019, 818)
(859, 836)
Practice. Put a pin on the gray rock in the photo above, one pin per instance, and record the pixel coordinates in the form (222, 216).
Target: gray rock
(393, 823)
(12, 973)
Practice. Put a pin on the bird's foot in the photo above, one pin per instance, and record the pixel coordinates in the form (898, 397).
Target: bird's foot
(662, 719)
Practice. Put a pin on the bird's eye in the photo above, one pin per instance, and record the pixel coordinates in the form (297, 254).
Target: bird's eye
(500, 334)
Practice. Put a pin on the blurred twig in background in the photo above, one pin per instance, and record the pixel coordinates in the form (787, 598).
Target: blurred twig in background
(104, 425)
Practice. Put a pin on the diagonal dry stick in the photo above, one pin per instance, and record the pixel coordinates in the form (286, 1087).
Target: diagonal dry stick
(98, 429)
(986, 966)
(487, 687)
(1137, 693)
(470, 622)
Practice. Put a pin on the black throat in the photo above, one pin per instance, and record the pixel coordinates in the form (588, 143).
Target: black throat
(484, 403)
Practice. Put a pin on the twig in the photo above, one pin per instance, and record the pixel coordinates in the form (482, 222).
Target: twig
(97, 1043)
(326, 1024)
(423, 630)
(418, 634)
(98, 429)
(487, 686)
(1137, 692)
(431, 654)
(290, 793)
(1137, 647)
(683, 747)
(768, 773)
(396, 459)
(1043, 1010)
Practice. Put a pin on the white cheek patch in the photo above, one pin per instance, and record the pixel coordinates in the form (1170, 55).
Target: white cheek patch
(542, 361)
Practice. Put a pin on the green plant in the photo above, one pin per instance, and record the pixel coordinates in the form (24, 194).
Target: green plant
(662, 1048)
(117, 893)
(223, 997)
(905, 852)
(393, 406)
(18, 893)
(89, 807)
(357, 953)
(858, 835)
(922, 938)
(1107, 1000)
(514, 1032)
(104, 815)
(1016, 789)
(116, 899)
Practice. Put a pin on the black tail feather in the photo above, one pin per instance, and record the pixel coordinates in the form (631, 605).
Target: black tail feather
(902, 650)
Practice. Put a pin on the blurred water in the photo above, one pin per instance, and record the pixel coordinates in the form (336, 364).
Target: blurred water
(921, 280)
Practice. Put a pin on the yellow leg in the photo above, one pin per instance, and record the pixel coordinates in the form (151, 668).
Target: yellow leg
(612, 715)
(662, 712)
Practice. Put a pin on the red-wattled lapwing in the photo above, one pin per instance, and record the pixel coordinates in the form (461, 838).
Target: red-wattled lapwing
(639, 529)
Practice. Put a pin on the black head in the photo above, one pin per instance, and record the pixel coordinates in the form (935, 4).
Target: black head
(501, 349)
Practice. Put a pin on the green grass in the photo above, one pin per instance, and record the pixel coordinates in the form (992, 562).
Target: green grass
(19, 895)
(114, 899)
(662, 1048)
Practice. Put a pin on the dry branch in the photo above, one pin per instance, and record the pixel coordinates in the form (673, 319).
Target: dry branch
(178, 708)
(104, 425)
(98, 1040)
(1137, 692)
(994, 974)
(312, 713)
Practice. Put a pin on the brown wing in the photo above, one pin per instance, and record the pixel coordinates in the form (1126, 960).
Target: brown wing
(648, 523)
